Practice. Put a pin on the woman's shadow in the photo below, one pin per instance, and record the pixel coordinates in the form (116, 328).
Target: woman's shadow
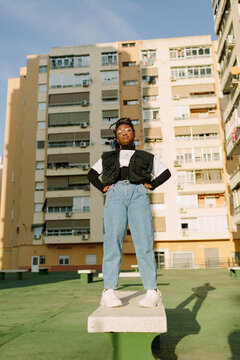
(181, 322)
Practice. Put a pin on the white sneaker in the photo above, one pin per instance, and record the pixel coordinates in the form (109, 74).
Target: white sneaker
(109, 298)
(151, 298)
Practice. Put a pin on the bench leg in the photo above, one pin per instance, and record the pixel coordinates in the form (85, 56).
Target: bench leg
(84, 278)
(132, 346)
(2, 276)
(19, 276)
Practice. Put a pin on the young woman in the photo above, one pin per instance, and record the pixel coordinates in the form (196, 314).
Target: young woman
(126, 175)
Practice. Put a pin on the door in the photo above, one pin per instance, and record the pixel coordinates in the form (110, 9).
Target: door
(35, 264)
(160, 259)
(211, 257)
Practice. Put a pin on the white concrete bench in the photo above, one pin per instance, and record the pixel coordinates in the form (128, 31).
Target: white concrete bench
(125, 274)
(130, 327)
(10, 271)
(86, 276)
(135, 267)
(234, 271)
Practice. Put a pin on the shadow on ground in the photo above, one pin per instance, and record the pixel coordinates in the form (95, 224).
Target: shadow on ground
(33, 279)
(234, 342)
(181, 322)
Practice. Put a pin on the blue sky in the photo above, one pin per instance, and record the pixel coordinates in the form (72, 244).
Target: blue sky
(34, 26)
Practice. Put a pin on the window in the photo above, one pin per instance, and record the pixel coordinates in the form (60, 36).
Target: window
(91, 259)
(189, 224)
(40, 144)
(210, 201)
(40, 165)
(41, 125)
(109, 116)
(191, 72)
(137, 142)
(42, 88)
(109, 58)
(39, 186)
(37, 232)
(187, 201)
(181, 112)
(150, 80)
(151, 114)
(81, 204)
(130, 82)
(148, 57)
(109, 77)
(129, 63)
(63, 260)
(42, 69)
(110, 96)
(190, 52)
(38, 207)
(135, 122)
(69, 80)
(129, 44)
(130, 102)
(42, 106)
(42, 260)
(213, 223)
(70, 61)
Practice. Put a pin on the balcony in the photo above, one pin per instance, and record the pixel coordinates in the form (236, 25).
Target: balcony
(233, 142)
(67, 237)
(204, 188)
(234, 179)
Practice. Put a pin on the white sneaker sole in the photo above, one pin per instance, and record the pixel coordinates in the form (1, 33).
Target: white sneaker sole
(110, 306)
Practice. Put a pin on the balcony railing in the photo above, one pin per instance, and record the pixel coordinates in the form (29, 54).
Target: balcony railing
(67, 232)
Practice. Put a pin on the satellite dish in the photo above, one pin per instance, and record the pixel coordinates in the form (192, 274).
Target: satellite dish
(235, 70)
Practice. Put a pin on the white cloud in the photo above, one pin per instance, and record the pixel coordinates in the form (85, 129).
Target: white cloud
(77, 22)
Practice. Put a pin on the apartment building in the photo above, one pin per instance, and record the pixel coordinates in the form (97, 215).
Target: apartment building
(227, 28)
(1, 167)
(58, 115)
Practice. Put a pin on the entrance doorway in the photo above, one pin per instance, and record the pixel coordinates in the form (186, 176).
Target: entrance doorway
(35, 264)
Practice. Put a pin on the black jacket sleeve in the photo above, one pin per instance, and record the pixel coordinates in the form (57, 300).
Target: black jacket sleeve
(164, 176)
(93, 177)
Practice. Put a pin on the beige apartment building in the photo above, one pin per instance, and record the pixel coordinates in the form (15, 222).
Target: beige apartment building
(227, 28)
(58, 115)
(1, 167)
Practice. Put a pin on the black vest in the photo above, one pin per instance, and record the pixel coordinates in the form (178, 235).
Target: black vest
(140, 167)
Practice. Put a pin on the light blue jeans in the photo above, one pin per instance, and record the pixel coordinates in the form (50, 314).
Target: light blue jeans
(125, 204)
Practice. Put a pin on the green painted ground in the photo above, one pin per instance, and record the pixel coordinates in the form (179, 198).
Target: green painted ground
(45, 316)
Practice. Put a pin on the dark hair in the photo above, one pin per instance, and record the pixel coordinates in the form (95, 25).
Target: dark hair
(120, 121)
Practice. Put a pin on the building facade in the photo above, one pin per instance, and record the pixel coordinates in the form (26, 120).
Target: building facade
(58, 115)
(1, 167)
(227, 28)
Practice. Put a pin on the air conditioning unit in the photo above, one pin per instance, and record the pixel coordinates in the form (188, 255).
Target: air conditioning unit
(173, 78)
(84, 125)
(230, 41)
(177, 163)
(84, 103)
(86, 83)
(84, 236)
(182, 210)
(68, 214)
(180, 187)
(85, 166)
(83, 144)
(185, 232)
(176, 97)
(37, 236)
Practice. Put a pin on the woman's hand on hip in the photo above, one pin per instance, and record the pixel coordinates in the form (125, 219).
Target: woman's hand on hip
(147, 185)
(105, 189)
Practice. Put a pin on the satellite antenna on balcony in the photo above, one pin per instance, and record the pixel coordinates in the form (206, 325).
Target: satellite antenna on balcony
(235, 70)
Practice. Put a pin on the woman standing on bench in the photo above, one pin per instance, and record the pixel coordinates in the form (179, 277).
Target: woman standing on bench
(126, 175)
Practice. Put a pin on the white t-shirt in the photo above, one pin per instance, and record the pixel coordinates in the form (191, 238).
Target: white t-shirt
(124, 159)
